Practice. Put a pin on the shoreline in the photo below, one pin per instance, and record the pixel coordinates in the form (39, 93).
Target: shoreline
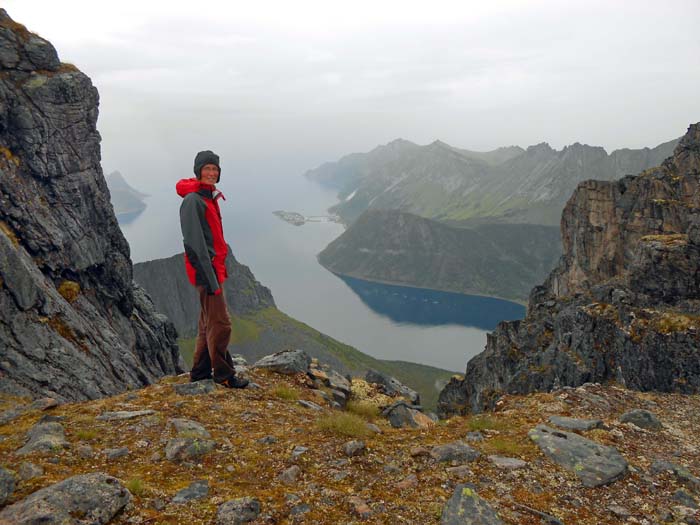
(406, 285)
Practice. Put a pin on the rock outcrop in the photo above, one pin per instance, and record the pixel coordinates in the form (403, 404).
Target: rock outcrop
(624, 303)
(74, 326)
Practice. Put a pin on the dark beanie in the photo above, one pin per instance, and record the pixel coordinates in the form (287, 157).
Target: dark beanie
(202, 159)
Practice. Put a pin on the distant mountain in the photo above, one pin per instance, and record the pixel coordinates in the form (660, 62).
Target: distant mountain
(127, 202)
(260, 329)
(445, 183)
(502, 260)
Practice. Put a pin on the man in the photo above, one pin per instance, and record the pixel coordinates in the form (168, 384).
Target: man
(205, 263)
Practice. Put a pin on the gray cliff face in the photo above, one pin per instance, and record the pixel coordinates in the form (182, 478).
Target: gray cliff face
(623, 305)
(166, 282)
(74, 326)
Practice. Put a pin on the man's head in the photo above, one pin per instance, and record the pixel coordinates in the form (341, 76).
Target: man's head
(205, 162)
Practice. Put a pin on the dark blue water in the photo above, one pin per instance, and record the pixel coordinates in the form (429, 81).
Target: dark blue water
(389, 322)
(404, 305)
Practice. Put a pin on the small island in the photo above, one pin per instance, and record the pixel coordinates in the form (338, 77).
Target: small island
(297, 219)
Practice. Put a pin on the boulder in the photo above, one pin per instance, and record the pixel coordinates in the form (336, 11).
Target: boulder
(44, 437)
(354, 448)
(456, 451)
(286, 362)
(206, 386)
(641, 418)
(571, 423)
(97, 498)
(187, 428)
(392, 386)
(116, 416)
(594, 464)
(196, 490)
(183, 449)
(238, 511)
(400, 414)
(465, 507)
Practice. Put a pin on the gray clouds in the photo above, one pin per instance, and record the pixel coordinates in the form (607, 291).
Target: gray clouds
(309, 81)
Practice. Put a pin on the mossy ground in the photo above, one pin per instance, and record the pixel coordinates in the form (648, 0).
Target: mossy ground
(240, 466)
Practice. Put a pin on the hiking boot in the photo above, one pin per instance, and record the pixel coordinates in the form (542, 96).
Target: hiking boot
(232, 382)
(195, 378)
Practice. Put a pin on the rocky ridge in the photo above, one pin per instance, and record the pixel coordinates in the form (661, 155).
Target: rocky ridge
(278, 452)
(441, 182)
(623, 304)
(74, 326)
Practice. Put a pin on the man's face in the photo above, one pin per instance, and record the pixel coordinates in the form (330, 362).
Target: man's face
(209, 174)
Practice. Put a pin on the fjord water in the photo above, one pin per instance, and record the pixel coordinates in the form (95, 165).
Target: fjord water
(388, 322)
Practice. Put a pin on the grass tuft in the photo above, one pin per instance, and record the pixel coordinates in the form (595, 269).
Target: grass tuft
(285, 392)
(485, 422)
(136, 486)
(344, 424)
(86, 434)
(363, 409)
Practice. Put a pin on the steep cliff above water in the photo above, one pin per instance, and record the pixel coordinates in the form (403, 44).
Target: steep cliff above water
(127, 202)
(624, 303)
(491, 259)
(73, 326)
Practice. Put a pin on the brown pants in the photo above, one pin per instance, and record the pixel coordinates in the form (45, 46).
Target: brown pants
(213, 336)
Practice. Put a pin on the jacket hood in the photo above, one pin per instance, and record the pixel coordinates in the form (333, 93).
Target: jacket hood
(186, 186)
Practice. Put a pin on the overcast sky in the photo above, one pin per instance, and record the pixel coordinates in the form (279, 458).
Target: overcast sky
(293, 84)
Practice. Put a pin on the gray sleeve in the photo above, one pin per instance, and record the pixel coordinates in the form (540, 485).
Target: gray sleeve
(193, 224)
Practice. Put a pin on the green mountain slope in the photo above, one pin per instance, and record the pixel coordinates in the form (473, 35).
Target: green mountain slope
(260, 329)
(441, 182)
(498, 260)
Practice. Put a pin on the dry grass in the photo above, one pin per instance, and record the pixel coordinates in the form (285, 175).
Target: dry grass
(69, 290)
(366, 410)
(285, 392)
(344, 424)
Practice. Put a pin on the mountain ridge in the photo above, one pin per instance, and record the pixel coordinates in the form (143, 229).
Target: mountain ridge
(441, 182)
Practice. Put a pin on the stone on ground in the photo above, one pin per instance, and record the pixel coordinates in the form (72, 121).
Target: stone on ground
(7, 485)
(286, 362)
(456, 451)
(183, 449)
(465, 507)
(96, 498)
(44, 437)
(206, 386)
(196, 490)
(116, 416)
(641, 418)
(188, 428)
(238, 511)
(594, 464)
(572, 423)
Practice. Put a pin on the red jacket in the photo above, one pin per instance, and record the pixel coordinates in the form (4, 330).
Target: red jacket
(202, 234)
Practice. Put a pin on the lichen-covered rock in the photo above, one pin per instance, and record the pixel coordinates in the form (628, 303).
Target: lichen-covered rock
(57, 224)
(205, 386)
(392, 386)
(7, 484)
(594, 464)
(286, 362)
(188, 428)
(400, 414)
(44, 437)
(196, 490)
(183, 449)
(96, 498)
(641, 418)
(238, 511)
(572, 423)
(456, 451)
(465, 507)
